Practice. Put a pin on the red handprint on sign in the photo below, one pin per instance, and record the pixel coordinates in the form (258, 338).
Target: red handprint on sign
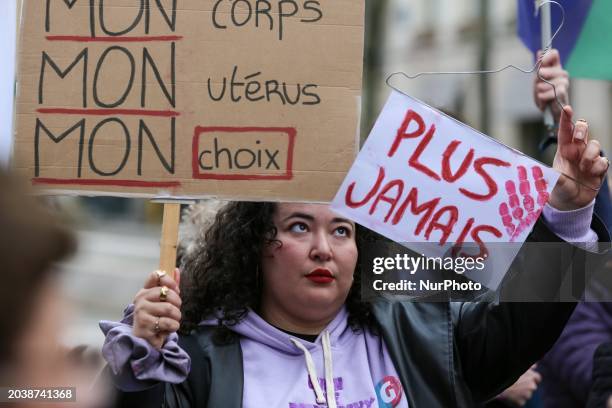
(517, 217)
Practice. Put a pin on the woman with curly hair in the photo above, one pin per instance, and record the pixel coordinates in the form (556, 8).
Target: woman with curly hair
(268, 314)
(225, 272)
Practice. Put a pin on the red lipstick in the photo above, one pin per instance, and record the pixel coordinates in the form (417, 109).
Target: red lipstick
(320, 276)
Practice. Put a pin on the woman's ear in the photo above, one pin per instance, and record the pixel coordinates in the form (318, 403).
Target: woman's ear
(269, 248)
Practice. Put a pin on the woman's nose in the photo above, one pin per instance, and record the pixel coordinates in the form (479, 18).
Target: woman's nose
(321, 248)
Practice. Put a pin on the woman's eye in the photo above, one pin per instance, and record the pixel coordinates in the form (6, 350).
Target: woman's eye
(342, 232)
(298, 227)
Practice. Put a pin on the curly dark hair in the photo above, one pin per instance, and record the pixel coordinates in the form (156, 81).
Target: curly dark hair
(221, 277)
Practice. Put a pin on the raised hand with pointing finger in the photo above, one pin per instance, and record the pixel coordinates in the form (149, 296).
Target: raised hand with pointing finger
(578, 160)
(582, 171)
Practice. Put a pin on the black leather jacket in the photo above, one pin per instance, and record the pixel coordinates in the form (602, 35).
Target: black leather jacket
(447, 354)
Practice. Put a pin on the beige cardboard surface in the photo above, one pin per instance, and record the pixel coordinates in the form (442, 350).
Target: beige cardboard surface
(247, 99)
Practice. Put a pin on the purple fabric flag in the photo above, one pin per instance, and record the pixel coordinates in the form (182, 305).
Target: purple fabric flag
(581, 39)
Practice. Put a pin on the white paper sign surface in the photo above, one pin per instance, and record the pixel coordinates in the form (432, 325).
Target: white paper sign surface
(432, 183)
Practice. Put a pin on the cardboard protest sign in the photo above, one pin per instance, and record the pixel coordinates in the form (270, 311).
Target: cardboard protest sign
(432, 183)
(243, 99)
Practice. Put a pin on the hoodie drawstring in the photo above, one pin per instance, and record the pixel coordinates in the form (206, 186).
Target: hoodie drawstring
(312, 372)
(329, 372)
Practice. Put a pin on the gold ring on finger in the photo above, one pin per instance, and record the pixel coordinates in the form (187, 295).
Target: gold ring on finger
(156, 328)
(160, 275)
(163, 293)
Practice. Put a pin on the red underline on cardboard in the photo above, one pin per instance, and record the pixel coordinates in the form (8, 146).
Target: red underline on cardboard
(97, 182)
(218, 176)
(81, 38)
(110, 112)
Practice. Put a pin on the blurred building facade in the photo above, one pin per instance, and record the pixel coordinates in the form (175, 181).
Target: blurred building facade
(447, 35)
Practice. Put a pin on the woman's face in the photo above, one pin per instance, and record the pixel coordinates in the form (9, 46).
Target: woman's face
(307, 279)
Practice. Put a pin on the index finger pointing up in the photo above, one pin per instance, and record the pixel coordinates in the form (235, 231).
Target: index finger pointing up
(581, 132)
(572, 133)
(566, 127)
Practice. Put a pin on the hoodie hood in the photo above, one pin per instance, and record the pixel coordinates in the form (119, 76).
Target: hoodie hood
(255, 328)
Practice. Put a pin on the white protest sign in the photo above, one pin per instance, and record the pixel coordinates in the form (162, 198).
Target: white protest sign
(432, 183)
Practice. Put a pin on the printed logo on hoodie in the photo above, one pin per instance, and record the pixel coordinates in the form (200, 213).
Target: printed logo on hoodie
(389, 392)
(339, 386)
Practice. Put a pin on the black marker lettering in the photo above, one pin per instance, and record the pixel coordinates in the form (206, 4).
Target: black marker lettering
(283, 13)
(272, 88)
(129, 84)
(314, 6)
(148, 60)
(297, 97)
(235, 84)
(39, 125)
(316, 99)
(253, 84)
(202, 166)
(234, 14)
(122, 32)
(218, 153)
(264, 11)
(170, 20)
(92, 138)
(222, 90)
(69, 4)
(214, 16)
(62, 74)
(272, 159)
(143, 129)
(251, 158)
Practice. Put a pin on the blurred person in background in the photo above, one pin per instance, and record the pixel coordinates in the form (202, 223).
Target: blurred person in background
(567, 368)
(562, 379)
(600, 394)
(520, 393)
(32, 310)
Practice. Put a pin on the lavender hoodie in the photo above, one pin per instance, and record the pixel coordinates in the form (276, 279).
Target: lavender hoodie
(279, 370)
(347, 368)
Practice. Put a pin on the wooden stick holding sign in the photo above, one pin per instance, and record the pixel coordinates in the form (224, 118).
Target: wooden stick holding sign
(169, 238)
(169, 235)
